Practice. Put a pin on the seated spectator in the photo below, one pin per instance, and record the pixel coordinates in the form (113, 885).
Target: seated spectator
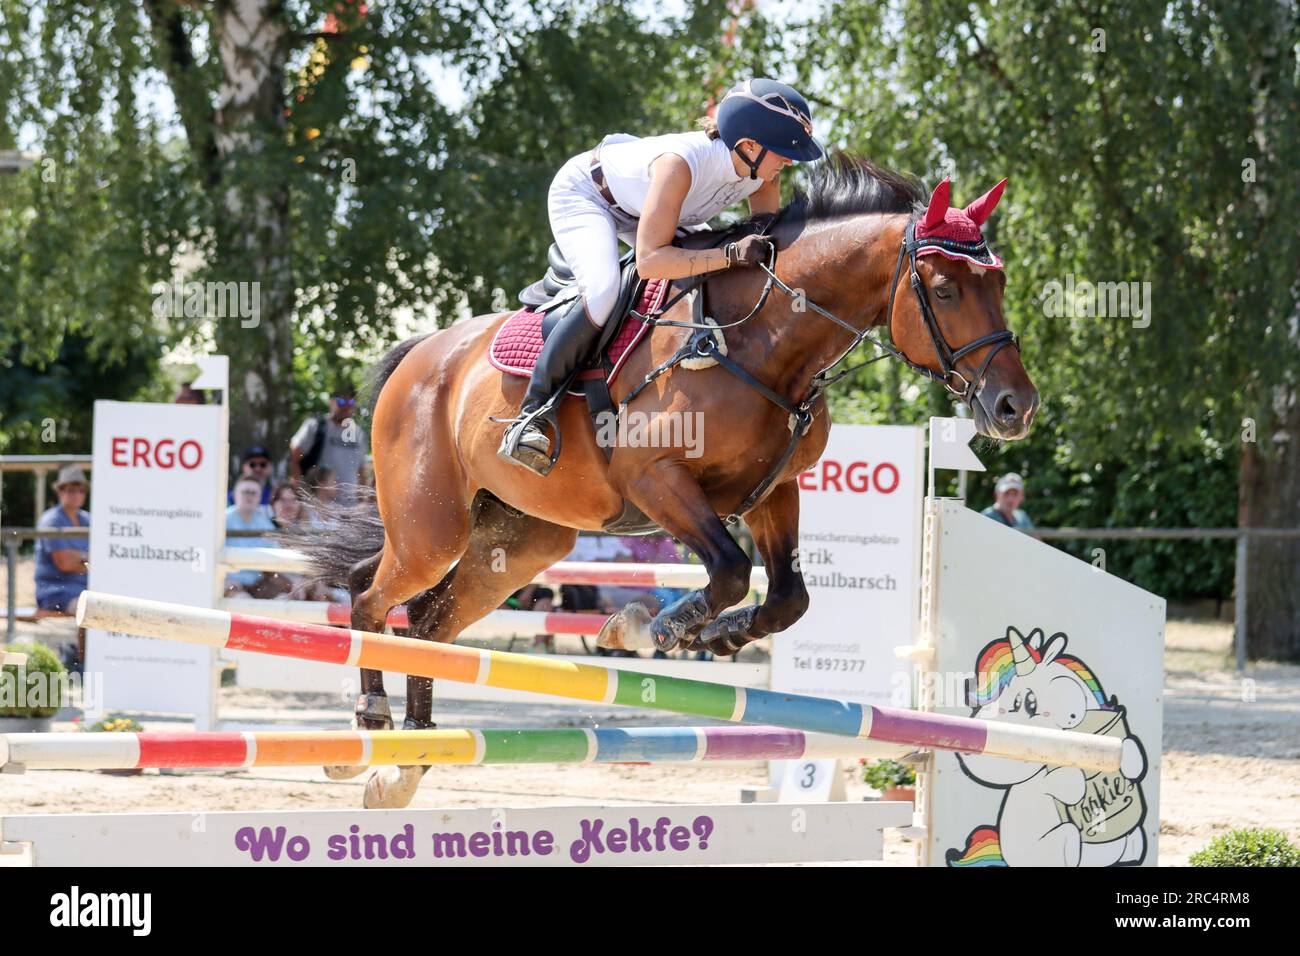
(656, 549)
(535, 597)
(287, 509)
(246, 514)
(255, 464)
(61, 562)
(322, 486)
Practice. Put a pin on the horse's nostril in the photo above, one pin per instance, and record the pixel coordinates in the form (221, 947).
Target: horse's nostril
(1007, 409)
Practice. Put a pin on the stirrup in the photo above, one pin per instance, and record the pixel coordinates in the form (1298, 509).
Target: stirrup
(539, 418)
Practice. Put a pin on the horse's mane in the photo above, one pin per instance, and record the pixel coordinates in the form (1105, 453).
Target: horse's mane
(843, 184)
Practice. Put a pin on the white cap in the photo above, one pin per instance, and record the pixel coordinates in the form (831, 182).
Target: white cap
(1008, 481)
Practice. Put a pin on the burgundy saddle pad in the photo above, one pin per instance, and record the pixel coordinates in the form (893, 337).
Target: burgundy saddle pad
(518, 342)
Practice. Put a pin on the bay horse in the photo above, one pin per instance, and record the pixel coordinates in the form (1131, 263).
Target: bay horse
(458, 530)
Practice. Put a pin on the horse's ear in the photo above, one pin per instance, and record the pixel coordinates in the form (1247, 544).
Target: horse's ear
(980, 210)
(939, 202)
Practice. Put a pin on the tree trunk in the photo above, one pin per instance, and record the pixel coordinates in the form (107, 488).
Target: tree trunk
(1270, 498)
(253, 234)
(1270, 467)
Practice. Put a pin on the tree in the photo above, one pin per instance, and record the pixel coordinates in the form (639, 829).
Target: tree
(1149, 142)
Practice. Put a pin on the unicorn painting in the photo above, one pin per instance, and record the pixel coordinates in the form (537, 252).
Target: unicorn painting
(1051, 816)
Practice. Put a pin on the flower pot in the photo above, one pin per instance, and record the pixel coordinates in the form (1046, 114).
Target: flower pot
(906, 794)
(26, 725)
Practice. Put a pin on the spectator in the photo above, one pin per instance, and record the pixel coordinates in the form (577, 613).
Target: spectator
(287, 509)
(255, 464)
(333, 441)
(189, 396)
(656, 549)
(61, 562)
(535, 597)
(1010, 494)
(246, 514)
(323, 487)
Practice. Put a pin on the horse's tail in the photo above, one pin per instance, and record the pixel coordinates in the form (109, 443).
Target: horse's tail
(351, 533)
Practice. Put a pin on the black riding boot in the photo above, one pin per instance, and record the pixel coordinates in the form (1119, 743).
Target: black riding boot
(569, 344)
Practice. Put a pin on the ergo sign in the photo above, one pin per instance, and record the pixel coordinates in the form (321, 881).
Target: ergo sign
(857, 476)
(165, 453)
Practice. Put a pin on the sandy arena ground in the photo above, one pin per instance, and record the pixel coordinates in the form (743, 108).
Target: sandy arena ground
(1231, 755)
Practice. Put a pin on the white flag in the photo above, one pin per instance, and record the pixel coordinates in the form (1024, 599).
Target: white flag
(950, 444)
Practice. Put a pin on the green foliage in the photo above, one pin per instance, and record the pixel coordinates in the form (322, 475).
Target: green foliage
(115, 724)
(38, 680)
(1248, 848)
(884, 774)
(1126, 164)
(1160, 150)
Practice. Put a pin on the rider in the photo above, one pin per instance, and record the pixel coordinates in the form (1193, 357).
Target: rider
(644, 192)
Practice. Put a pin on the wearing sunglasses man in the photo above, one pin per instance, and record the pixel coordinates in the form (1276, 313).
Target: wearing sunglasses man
(255, 463)
(333, 441)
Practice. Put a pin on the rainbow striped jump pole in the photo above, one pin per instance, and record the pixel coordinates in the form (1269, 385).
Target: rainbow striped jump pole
(500, 623)
(614, 573)
(589, 682)
(408, 748)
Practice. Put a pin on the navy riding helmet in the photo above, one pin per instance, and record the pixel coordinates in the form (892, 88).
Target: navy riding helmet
(771, 114)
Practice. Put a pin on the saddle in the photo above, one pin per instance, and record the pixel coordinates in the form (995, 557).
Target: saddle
(519, 341)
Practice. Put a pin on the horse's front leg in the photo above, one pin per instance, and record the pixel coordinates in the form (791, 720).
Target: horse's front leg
(669, 495)
(774, 523)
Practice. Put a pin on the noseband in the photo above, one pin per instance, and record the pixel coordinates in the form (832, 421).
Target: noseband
(948, 357)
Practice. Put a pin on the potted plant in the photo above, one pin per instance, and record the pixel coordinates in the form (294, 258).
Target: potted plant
(894, 780)
(31, 692)
(117, 724)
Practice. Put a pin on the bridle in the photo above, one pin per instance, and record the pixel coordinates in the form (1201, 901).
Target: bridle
(908, 249)
(703, 344)
(948, 357)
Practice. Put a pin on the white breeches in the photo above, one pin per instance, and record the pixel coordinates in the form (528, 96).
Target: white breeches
(588, 233)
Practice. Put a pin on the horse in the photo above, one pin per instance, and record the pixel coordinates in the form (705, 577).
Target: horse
(457, 530)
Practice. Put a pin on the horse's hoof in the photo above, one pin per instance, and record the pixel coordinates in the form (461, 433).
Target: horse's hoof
(628, 630)
(372, 713)
(728, 633)
(680, 622)
(663, 637)
(391, 788)
(343, 773)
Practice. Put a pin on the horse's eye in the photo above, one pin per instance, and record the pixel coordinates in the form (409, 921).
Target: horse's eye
(943, 292)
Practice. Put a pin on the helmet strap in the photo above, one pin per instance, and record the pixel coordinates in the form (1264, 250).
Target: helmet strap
(753, 166)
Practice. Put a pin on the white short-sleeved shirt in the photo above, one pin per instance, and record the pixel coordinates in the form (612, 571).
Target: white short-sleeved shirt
(625, 160)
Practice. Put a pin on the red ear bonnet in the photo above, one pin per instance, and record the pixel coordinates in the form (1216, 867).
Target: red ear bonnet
(955, 233)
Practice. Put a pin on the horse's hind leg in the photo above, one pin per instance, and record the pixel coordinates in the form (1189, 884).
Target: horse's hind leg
(505, 552)
(371, 710)
(417, 553)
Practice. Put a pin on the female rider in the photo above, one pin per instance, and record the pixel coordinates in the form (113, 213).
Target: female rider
(643, 191)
